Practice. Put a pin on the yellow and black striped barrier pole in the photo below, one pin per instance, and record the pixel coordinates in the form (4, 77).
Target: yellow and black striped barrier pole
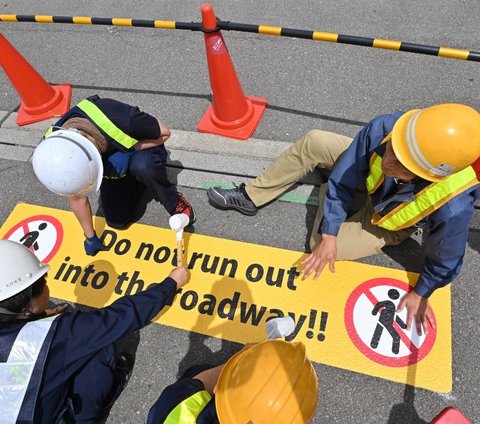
(448, 52)
(91, 20)
(378, 43)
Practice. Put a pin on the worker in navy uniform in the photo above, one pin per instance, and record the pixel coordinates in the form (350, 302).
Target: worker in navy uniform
(58, 366)
(112, 146)
(268, 382)
(415, 167)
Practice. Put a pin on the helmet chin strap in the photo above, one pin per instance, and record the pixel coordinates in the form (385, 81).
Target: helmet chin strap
(4, 311)
(8, 316)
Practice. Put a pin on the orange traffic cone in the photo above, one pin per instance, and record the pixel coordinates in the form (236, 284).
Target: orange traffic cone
(40, 101)
(232, 114)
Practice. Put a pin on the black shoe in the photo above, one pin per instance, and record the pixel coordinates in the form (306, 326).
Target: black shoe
(184, 206)
(233, 198)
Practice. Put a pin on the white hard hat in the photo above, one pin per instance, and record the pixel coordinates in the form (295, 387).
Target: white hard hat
(68, 164)
(19, 268)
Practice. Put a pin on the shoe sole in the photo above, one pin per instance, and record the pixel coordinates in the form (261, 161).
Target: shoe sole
(227, 207)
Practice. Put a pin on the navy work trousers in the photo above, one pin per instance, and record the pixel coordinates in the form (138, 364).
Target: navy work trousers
(120, 196)
(95, 388)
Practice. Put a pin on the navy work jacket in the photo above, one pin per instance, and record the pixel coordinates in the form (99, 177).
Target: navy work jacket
(79, 336)
(446, 229)
(130, 119)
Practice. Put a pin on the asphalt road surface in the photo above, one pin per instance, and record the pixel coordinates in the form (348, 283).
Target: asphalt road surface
(308, 85)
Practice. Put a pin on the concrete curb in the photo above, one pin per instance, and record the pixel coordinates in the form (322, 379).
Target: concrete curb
(196, 160)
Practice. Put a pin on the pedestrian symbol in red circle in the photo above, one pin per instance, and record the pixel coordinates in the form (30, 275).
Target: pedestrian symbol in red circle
(42, 234)
(381, 333)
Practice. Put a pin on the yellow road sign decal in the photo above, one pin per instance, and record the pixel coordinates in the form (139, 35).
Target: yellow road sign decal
(345, 319)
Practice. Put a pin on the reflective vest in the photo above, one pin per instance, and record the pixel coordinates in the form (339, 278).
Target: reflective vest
(187, 411)
(18, 394)
(426, 201)
(103, 122)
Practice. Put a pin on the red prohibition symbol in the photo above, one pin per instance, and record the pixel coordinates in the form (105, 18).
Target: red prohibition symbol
(378, 331)
(42, 234)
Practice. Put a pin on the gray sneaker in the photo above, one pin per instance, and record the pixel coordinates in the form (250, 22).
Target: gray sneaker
(232, 198)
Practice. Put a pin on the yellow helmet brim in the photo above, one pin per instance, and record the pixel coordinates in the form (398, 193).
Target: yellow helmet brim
(400, 148)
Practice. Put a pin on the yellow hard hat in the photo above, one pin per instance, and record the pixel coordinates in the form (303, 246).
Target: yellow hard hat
(270, 382)
(437, 141)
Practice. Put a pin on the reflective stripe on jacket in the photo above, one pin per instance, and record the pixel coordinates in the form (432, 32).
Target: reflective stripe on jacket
(26, 354)
(432, 197)
(187, 411)
(103, 122)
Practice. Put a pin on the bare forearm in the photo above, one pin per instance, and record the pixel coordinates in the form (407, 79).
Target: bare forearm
(81, 208)
(164, 136)
(209, 378)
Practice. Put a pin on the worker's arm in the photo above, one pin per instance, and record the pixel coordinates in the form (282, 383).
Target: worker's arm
(80, 334)
(325, 253)
(200, 385)
(418, 309)
(80, 206)
(209, 378)
(83, 211)
(148, 143)
(350, 172)
(446, 235)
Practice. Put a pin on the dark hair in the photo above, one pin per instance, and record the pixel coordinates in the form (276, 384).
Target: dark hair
(19, 302)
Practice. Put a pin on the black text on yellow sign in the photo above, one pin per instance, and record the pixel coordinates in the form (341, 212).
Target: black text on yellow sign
(230, 308)
(235, 287)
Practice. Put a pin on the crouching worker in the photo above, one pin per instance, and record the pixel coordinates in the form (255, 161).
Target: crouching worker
(110, 139)
(415, 168)
(61, 367)
(269, 382)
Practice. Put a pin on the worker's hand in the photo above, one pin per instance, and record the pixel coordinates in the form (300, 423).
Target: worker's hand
(59, 309)
(417, 306)
(180, 275)
(116, 165)
(93, 245)
(325, 253)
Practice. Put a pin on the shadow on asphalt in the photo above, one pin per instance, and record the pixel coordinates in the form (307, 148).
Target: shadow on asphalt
(405, 411)
(409, 255)
(474, 239)
(198, 352)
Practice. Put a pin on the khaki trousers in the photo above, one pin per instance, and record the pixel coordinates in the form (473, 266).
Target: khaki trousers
(357, 237)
